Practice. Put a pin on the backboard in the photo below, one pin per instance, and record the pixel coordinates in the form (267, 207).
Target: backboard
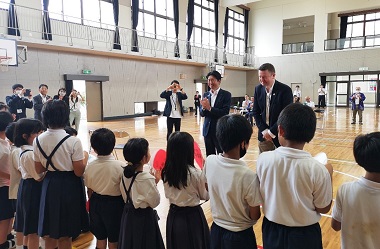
(8, 52)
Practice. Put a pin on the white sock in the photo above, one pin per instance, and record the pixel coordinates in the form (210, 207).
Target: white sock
(19, 247)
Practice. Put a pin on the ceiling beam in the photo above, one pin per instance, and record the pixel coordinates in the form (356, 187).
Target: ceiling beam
(229, 3)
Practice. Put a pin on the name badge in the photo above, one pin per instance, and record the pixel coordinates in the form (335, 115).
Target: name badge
(19, 110)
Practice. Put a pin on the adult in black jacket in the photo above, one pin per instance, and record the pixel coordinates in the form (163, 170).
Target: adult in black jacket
(18, 102)
(39, 100)
(174, 95)
(197, 102)
(273, 96)
(215, 104)
(62, 96)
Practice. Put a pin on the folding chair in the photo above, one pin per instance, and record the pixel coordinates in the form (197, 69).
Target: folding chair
(124, 137)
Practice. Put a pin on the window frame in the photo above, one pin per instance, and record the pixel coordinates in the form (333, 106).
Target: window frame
(235, 38)
(100, 25)
(363, 22)
(155, 15)
(202, 28)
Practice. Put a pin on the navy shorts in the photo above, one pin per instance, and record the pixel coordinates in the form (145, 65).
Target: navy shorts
(105, 216)
(277, 236)
(6, 205)
(223, 238)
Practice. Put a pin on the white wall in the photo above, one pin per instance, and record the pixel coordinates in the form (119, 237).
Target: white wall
(130, 80)
(305, 68)
(267, 17)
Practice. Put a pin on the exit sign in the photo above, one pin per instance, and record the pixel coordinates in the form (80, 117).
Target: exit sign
(86, 71)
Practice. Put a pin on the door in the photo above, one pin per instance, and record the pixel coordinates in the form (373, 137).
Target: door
(94, 101)
(342, 93)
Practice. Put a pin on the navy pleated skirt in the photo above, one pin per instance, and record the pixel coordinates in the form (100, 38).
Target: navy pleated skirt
(63, 205)
(29, 196)
(139, 229)
(187, 228)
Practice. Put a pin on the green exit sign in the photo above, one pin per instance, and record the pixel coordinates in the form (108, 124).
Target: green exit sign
(86, 71)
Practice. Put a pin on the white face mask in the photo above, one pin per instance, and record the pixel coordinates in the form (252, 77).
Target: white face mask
(62, 93)
(357, 91)
(18, 92)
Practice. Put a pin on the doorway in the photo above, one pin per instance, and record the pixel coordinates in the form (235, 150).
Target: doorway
(92, 103)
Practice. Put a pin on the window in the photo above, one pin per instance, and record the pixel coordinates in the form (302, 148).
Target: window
(235, 41)
(156, 19)
(96, 13)
(204, 24)
(4, 4)
(363, 25)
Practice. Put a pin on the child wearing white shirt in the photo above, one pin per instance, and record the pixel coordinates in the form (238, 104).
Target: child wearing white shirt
(233, 187)
(139, 223)
(357, 204)
(186, 225)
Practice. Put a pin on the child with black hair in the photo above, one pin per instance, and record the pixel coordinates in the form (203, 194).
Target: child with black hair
(295, 187)
(63, 202)
(6, 207)
(102, 178)
(139, 226)
(233, 187)
(357, 204)
(15, 178)
(29, 194)
(186, 225)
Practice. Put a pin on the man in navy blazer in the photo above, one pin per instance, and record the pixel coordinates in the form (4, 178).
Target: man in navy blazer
(273, 96)
(215, 104)
(39, 100)
(174, 95)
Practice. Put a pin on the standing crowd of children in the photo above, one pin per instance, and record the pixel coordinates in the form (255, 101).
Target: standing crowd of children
(45, 171)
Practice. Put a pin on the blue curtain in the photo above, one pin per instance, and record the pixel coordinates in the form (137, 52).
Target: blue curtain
(216, 17)
(190, 25)
(116, 39)
(246, 16)
(135, 21)
(12, 20)
(225, 36)
(46, 27)
(176, 26)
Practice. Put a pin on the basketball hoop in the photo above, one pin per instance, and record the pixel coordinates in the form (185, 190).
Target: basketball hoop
(4, 63)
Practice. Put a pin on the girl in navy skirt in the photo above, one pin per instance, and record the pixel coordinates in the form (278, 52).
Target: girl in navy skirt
(29, 193)
(186, 225)
(139, 225)
(6, 209)
(62, 206)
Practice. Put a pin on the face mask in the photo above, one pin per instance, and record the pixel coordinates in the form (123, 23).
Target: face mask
(62, 94)
(357, 91)
(243, 151)
(18, 92)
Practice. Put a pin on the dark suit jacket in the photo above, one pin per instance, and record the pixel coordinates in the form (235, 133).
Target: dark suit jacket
(37, 106)
(168, 106)
(281, 97)
(65, 98)
(221, 108)
(16, 103)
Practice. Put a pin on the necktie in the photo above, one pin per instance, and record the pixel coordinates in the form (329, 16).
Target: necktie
(267, 109)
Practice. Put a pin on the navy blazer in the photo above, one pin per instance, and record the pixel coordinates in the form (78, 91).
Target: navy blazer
(16, 103)
(37, 106)
(281, 97)
(221, 107)
(168, 106)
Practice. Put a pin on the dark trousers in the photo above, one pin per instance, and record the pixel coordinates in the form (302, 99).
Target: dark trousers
(224, 239)
(321, 101)
(196, 109)
(212, 144)
(170, 122)
(276, 236)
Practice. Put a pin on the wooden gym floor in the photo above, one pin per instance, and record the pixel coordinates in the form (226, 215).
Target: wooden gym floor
(334, 136)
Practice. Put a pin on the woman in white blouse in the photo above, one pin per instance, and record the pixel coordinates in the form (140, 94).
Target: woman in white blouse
(75, 102)
(186, 225)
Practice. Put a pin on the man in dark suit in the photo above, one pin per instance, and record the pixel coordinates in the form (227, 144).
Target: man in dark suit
(174, 95)
(215, 104)
(18, 102)
(39, 100)
(271, 97)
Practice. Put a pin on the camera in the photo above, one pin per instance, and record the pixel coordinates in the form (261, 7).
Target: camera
(27, 92)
